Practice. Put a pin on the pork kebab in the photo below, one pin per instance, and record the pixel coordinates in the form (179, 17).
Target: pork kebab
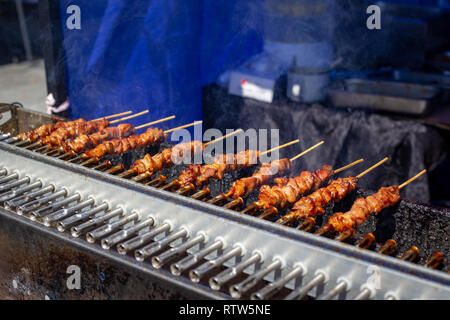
(316, 202)
(288, 190)
(197, 175)
(153, 136)
(60, 135)
(88, 141)
(364, 207)
(45, 130)
(149, 164)
(244, 186)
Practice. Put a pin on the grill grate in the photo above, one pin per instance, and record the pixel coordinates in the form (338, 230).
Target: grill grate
(242, 256)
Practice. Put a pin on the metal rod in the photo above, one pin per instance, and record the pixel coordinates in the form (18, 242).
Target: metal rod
(274, 287)
(152, 248)
(18, 192)
(125, 234)
(341, 286)
(7, 187)
(238, 290)
(39, 213)
(9, 177)
(186, 263)
(93, 222)
(173, 253)
(226, 275)
(3, 172)
(4, 136)
(142, 239)
(110, 227)
(363, 295)
(30, 206)
(82, 216)
(64, 213)
(206, 268)
(15, 203)
(301, 292)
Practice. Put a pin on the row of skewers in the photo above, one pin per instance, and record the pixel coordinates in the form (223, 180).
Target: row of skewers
(306, 195)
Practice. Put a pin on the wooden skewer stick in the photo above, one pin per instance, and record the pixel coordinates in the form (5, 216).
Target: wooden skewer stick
(224, 137)
(372, 167)
(280, 147)
(114, 115)
(347, 166)
(154, 122)
(306, 151)
(412, 179)
(185, 126)
(129, 117)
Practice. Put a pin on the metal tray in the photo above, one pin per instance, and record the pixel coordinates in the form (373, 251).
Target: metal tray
(399, 97)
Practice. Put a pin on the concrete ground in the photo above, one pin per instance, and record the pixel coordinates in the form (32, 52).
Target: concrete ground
(24, 82)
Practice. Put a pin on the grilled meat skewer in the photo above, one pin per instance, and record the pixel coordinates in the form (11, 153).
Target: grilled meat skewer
(315, 203)
(200, 175)
(148, 165)
(195, 175)
(119, 146)
(46, 129)
(287, 190)
(59, 136)
(152, 136)
(364, 207)
(247, 185)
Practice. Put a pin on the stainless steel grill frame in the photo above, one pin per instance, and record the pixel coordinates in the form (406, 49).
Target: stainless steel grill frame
(302, 256)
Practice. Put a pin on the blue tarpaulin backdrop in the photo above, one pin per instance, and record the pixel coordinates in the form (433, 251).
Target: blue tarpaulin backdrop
(154, 54)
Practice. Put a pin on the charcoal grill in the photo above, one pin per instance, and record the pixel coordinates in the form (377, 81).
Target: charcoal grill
(202, 250)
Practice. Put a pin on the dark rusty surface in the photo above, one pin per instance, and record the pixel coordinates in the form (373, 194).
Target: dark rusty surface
(33, 265)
